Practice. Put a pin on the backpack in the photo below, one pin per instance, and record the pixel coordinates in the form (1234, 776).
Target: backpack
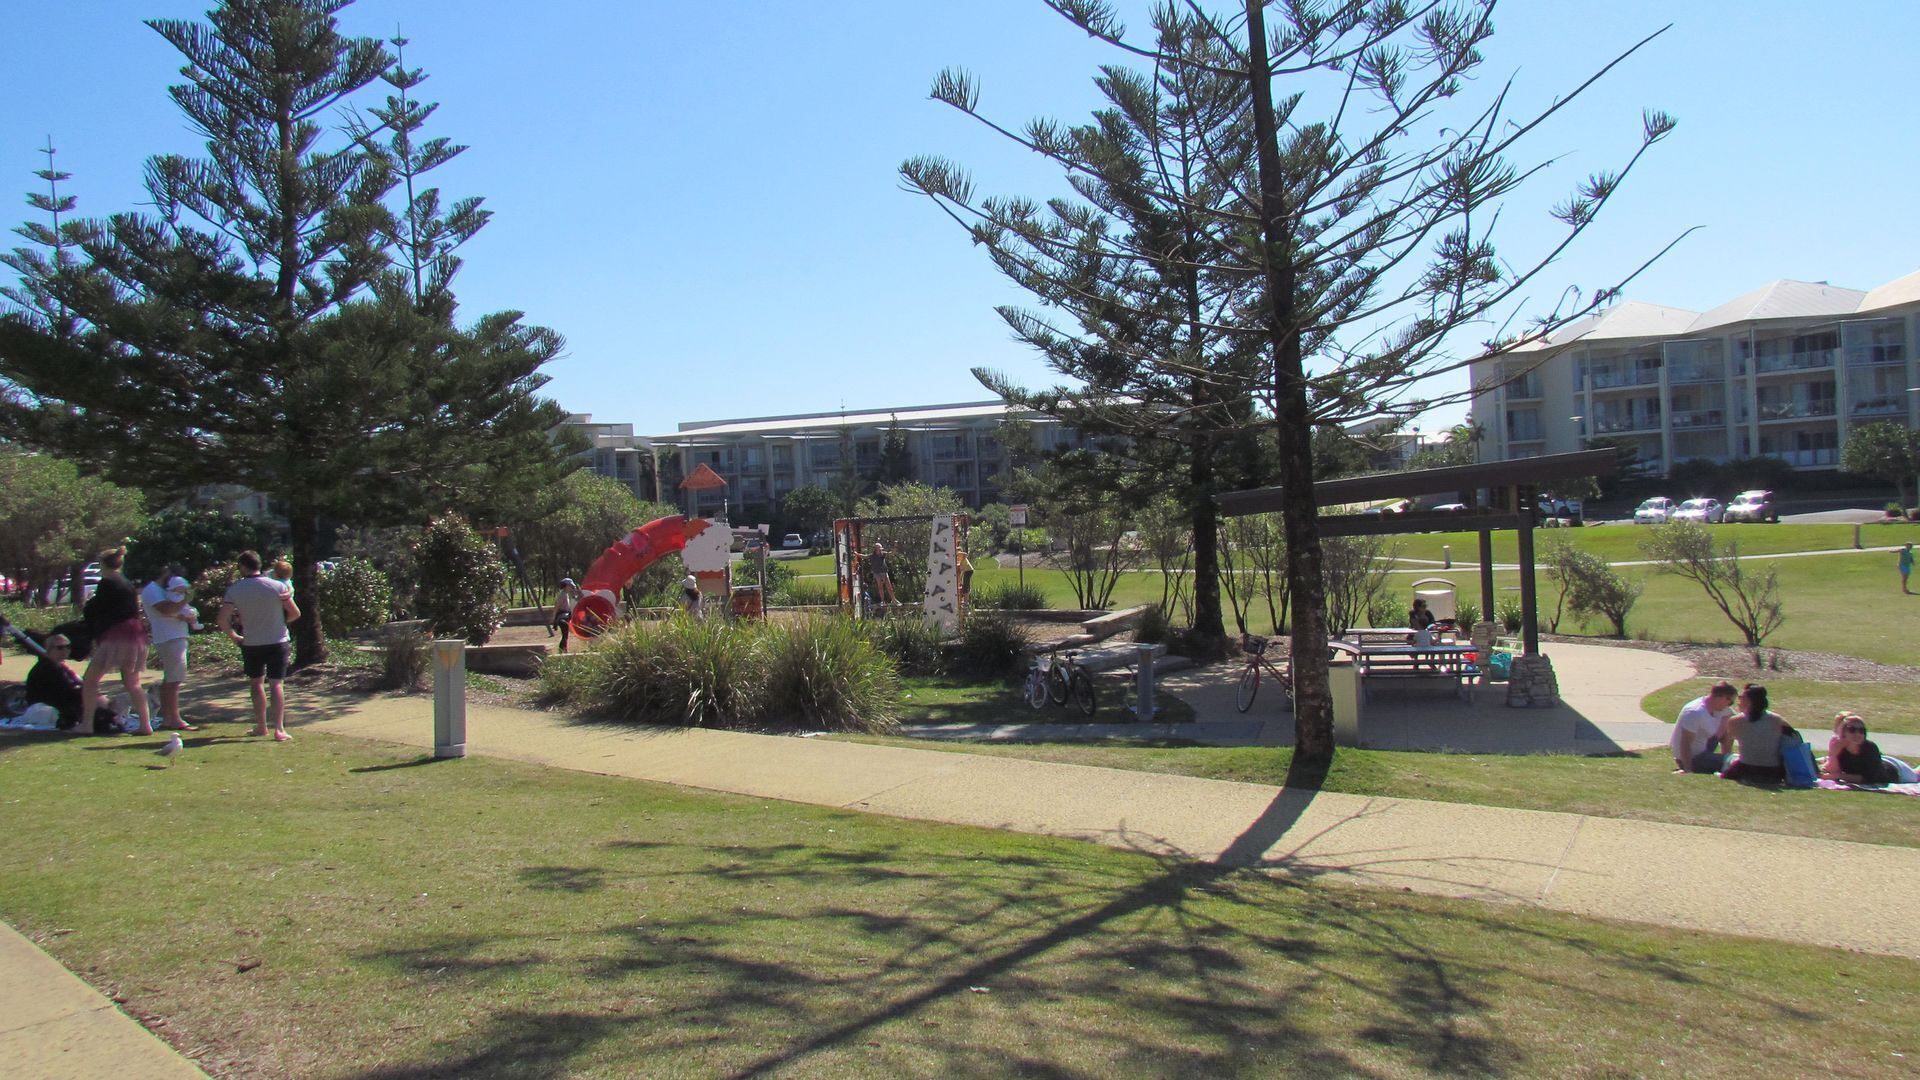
(1796, 759)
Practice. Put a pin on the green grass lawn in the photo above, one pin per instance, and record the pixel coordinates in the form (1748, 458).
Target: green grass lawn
(1635, 786)
(951, 701)
(331, 908)
(1808, 704)
(1621, 543)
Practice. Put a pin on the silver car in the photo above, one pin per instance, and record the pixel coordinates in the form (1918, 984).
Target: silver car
(1704, 511)
(1654, 511)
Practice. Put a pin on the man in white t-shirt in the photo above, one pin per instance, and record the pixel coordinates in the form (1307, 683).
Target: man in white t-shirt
(1697, 732)
(265, 607)
(169, 619)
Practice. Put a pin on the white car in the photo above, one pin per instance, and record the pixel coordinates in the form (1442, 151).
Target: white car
(1654, 511)
(1755, 505)
(793, 541)
(1704, 511)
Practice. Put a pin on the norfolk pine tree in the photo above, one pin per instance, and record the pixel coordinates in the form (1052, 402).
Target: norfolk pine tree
(255, 329)
(1364, 218)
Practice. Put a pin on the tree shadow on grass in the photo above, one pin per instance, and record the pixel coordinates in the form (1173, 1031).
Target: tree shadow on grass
(867, 957)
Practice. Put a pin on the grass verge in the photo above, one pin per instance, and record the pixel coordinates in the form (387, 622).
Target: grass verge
(332, 908)
(1635, 786)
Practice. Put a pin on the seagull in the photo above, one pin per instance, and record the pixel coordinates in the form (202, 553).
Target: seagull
(171, 747)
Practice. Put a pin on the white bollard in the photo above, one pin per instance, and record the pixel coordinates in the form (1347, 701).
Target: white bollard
(1446, 556)
(1143, 706)
(1856, 538)
(449, 698)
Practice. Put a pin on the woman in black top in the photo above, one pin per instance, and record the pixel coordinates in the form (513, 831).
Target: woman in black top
(1859, 760)
(119, 639)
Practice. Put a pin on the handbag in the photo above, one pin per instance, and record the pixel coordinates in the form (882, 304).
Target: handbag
(1796, 758)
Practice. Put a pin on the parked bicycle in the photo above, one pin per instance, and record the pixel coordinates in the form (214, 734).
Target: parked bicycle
(1256, 650)
(1060, 680)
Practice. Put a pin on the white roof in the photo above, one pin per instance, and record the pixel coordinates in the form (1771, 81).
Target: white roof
(1899, 291)
(912, 418)
(1635, 319)
(1783, 299)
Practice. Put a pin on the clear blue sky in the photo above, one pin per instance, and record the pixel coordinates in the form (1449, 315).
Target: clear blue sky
(702, 197)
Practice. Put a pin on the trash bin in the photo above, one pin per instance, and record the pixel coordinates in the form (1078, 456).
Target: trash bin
(746, 602)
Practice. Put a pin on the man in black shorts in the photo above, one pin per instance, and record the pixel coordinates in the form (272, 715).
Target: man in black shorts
(265, 607)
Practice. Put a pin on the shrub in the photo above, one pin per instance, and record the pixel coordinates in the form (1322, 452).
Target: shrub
(1010, 598)
(460, 580)
(210, 590)
(1153, 627)
(198, 540)
(1511, 615)
(992, 646)
(1893, 510)
(678, 671)
(353, 596)
(912, 645)
(1385, 611)
(570, 679)
(404, 658)
(811, 592)
(825, 672)
(1466, 613)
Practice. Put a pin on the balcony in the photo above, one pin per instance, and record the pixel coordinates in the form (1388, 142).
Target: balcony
(1523, 389)
(952, 453)
(1796, 361)
(1698, 418)
(1807, 459)
(1795, 410)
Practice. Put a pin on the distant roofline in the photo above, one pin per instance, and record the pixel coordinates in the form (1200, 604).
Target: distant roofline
(697, 425)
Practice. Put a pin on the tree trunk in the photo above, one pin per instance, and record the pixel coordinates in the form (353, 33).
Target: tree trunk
(309, 638)
(1312, 695)
(1208, 622)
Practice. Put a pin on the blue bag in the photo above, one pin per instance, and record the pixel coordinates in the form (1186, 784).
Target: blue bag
(1796, 757)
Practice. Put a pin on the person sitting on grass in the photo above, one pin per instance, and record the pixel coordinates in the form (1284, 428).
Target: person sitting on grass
(1696, 734)
(51, 682)
(1857, 760)
(1758, 733)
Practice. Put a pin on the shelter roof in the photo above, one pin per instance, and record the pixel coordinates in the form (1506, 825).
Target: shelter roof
(702, 478)
(1532, 471)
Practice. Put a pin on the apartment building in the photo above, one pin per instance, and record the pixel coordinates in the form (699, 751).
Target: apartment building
(1783, 371)
(765, 458)
(613, 450)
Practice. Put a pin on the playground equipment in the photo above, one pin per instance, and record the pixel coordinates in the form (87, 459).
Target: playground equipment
(697, 538)
(941, 603)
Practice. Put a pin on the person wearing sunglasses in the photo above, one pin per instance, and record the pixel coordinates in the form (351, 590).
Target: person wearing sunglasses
(52, 682)
(1858, 760)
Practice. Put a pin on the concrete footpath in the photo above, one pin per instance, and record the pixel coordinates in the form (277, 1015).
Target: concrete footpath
(1719, 880)
(56, 1027)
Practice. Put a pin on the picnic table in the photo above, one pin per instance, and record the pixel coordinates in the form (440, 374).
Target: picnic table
(1457, 663)
(1365, 636)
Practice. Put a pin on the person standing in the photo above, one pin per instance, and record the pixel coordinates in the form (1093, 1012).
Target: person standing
(690, 596)
(265, 607)
(882, 581)
(1906, 568)
(563, 606)
(1696, 734)
(169, 619)
(119, 639)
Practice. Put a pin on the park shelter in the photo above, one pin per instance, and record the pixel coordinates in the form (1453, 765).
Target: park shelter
(1509, 502)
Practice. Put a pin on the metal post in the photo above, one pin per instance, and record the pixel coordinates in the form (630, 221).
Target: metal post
(449, 698)
(1529, 603)
(1486, 575)
(1020, 542)
(1143, 706)
(1856, 538)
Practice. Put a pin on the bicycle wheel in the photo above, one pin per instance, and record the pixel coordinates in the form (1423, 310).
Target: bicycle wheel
(1036, 689)
(1080, 688)
(1249, 686)
(1057, 684)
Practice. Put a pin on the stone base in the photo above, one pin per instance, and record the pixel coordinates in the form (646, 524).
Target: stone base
(1483, 634)
(1532, 683)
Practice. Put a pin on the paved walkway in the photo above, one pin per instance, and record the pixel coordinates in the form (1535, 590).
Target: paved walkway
(55, 1027)
(1716, 880)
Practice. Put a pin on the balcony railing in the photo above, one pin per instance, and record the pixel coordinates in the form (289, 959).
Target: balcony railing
(1877, 354)
(1698, 418)
(1608, 425)
(1796, 361)
(1795, 410)
(1880, 406)
(1612, 380)
(1694, 373)
(1527, 389)
(1807, 458)
(953, 453)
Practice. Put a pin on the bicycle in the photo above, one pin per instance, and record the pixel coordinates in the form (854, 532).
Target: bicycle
(1256, 650)
(1060, 680)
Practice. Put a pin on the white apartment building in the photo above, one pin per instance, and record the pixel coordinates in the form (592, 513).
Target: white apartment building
(613, 450)
(764, 458)
(1783, 371)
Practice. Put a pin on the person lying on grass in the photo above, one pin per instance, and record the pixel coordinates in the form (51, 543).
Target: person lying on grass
(1857, 760)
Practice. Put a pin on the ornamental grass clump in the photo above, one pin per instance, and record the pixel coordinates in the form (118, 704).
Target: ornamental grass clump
(700, 673)
(992, 646)
(913, 645)
(826, 674)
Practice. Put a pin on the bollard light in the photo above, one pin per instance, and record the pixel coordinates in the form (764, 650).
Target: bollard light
(449, 698)
(1144, 708)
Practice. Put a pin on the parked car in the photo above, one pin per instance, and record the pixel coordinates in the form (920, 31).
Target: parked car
(1654, 511)
(1452, 508)
(1704, 511)
(1756, 505)
(793, 541)
(1563, 508)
